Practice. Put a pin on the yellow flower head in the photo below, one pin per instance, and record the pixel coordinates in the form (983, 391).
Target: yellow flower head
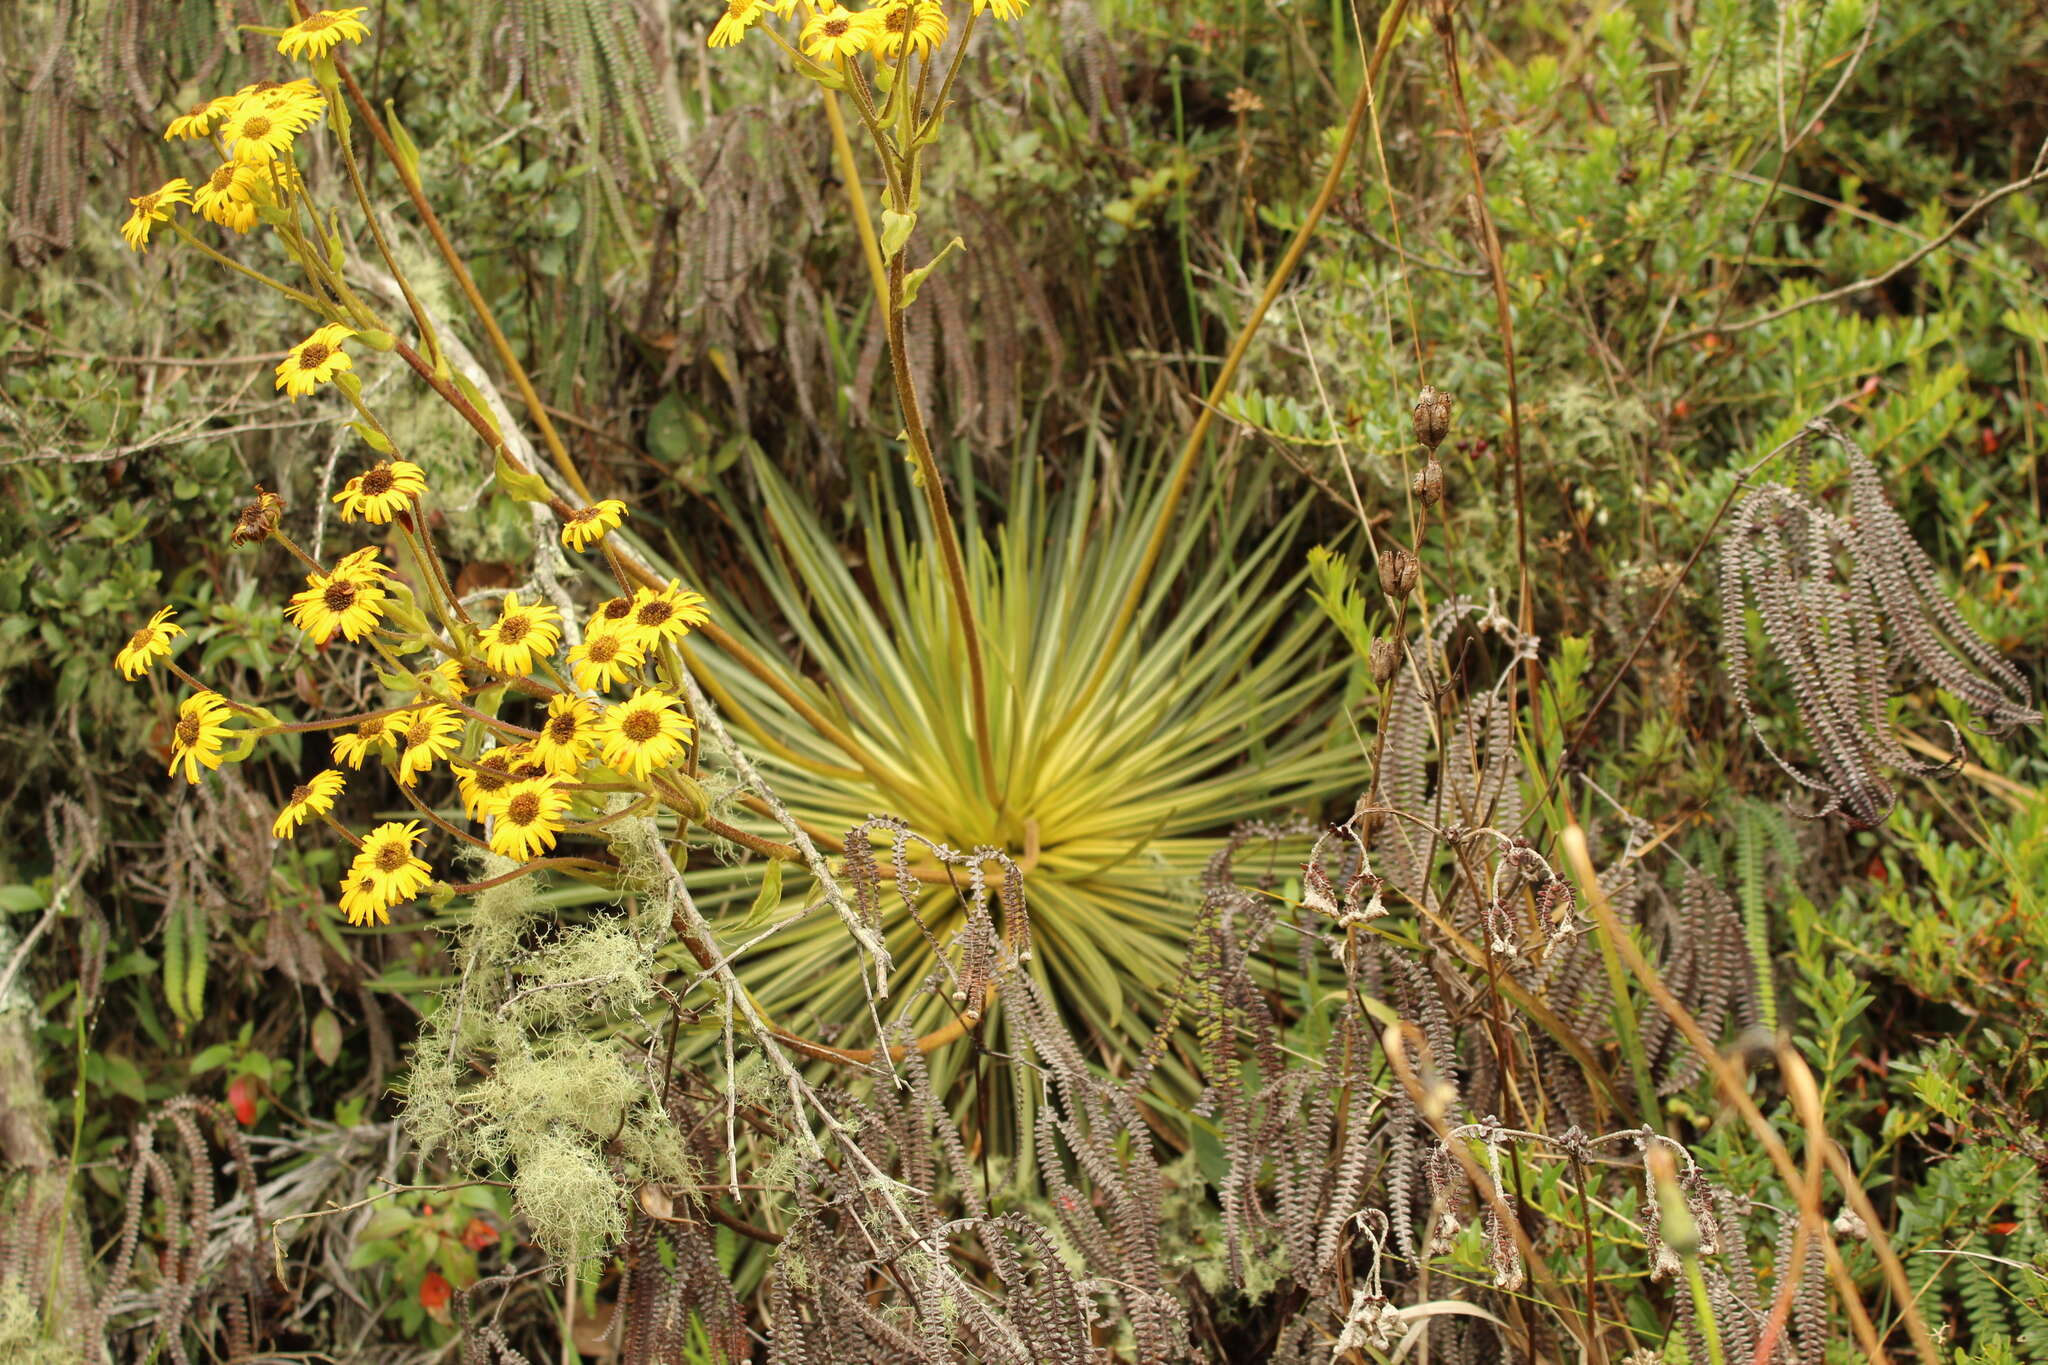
(444, 677)
(642, 734)
(425, 733)
(355, 746)
(481, 781)
(350, 599)
(200, 120)
(260, 130)
(1003, 9)
(919, 25)
(199, 734)
(154, 207)
(315, 361)
(587, 525)
(258, 518)
(526, 817)
(605, 658)
(610, 616)
(318, 34)
(663, 614)
(566, 734)
(223, 197)
(384, 873)
(378, 494)
(521, 634)
(739, 16)
(147, 645)
(314, 796)
(836, 31)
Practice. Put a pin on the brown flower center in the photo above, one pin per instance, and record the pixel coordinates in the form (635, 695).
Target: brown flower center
(257, 127)
(513, 629)
(391, 857)
(419, 732)
(188, 732)
(603, 649)
(900, 20)
(299, 793)
(562, 729)
(523, 809)
(371, 729)
(338, 596)
(315, 353)
(146, 205)
(641, 726)
(221, 180)
(836, 28)
(141, 638)
(654, 614)
(378, 481)
(314, 23)
(616, 608)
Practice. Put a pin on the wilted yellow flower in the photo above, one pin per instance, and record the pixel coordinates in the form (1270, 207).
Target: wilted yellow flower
(378, 494)
(918, 25)
(664, 614)
(352, 748)
(426, 733)
(314, 796)
(147, 645)
(199, 121)
(521, 634)
(223, 197)
(526, 817)
(318, 34)
(200, 733)
(566, 734)
(642, 734)
(587, 525)
(315, 361)
(349, 599)
(384, 873)
(836, 31)
(154, 207)
(604, 659)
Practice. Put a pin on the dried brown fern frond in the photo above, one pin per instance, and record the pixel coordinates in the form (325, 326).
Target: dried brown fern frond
(1844, 601)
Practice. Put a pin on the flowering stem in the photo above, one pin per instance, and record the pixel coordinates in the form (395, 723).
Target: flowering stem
(438, 822)
(524, 869)
(339, 828)
(355, 180)
(301, 727)
(280, 286)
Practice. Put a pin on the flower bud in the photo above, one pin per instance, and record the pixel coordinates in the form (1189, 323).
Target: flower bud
(1385, 659)
(1432, 416)
(1428, 485)
(1398, 572)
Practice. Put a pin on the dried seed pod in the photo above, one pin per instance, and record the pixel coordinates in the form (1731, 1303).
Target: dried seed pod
(1428, 484)
(1398, 571)
(1385, 659)
(1432, 416)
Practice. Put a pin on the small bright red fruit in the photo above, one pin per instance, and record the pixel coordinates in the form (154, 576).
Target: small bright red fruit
(435, 1291)
(242, 1099)
(479, 1235)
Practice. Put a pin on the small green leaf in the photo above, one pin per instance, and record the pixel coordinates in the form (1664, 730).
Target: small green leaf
(896, 230)
(220, 1054)
(915, 279)
(372, 437)
(766, 902)
(408, 151)
(520, 484)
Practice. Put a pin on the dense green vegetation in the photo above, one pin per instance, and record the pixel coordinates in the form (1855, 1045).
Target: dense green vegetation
(1119, 862)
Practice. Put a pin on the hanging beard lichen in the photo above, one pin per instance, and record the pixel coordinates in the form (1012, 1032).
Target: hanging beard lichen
(509, 1079)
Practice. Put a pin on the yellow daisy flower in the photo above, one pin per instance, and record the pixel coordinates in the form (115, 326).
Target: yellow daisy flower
(666, 614)
(314, 796)
(259, 131)
(223, 197)
(425, 733)
(154, 207)
(919, 25)
(587, 525)
(314, 361)
(836, 31)
(318, 34)
(198, 736)
(565, 736)
(739, 16)
(200, 120)
(610, 616)
(642, 734)
(376, 495)
(603, 659)
(526, 817)
(445, 677)
(355, 746)
(480, 782)
(350, 599)
(384, 873)
(521, 634)
(147, 645)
